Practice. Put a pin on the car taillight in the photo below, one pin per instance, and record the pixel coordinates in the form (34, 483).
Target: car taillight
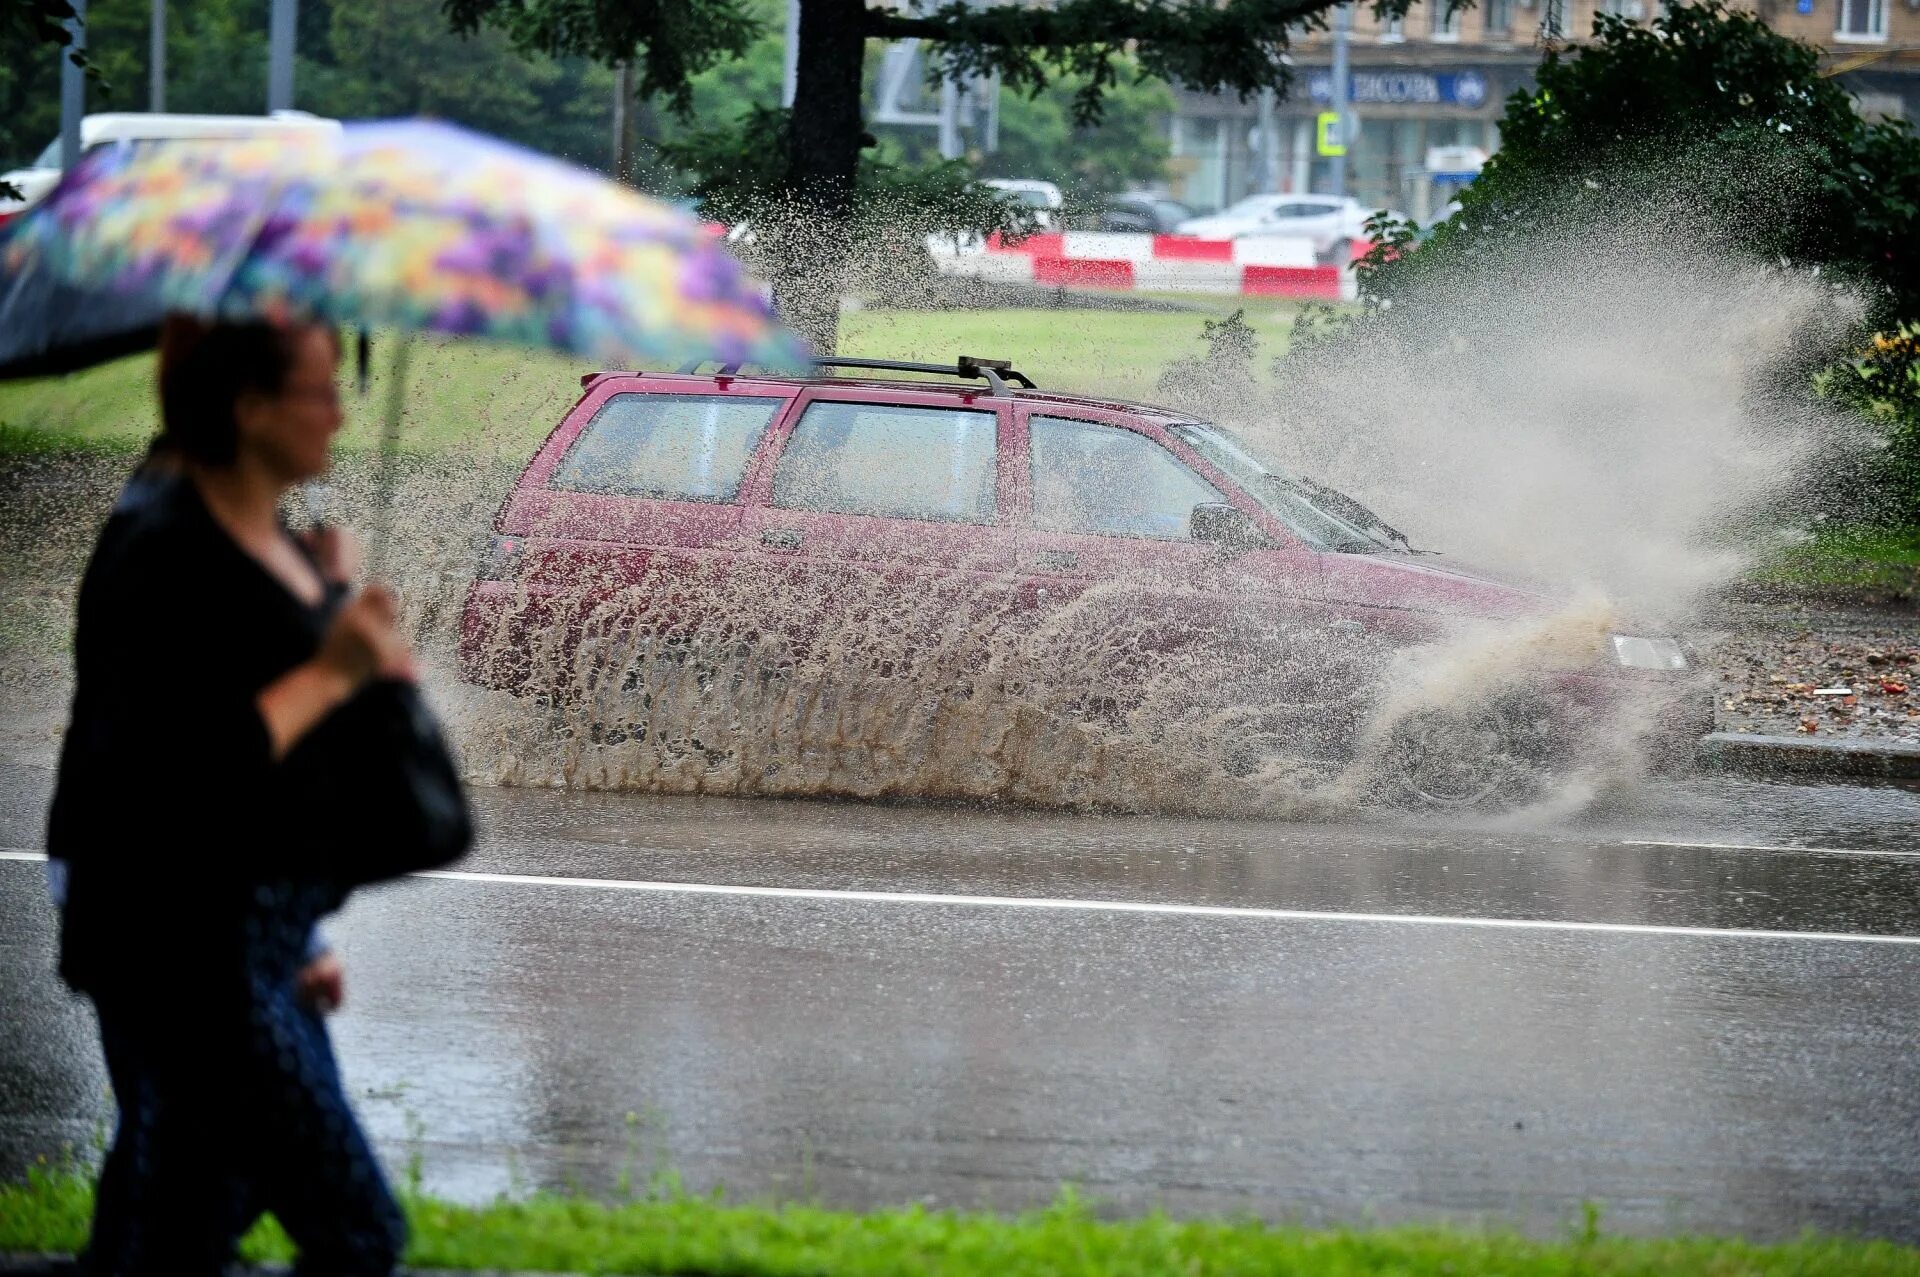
(502, 560)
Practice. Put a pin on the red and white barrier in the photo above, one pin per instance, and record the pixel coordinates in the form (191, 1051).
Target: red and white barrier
(1265, 266)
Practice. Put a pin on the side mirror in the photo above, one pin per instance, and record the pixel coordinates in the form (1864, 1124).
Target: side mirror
(1229, 527)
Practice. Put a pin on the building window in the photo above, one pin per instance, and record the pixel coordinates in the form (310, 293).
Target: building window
(1631, 10)
(1394, 31)
(1862, 20)
(1445, 21)
(1499, 18)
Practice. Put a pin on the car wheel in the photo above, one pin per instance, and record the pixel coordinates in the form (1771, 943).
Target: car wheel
(1460, 760)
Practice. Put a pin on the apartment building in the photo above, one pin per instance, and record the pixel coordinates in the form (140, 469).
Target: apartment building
(1427, 91)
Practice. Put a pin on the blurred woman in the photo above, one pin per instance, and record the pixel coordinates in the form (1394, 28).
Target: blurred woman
(213, 654)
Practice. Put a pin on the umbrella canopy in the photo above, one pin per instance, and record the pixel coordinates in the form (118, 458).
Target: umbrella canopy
(415, 225)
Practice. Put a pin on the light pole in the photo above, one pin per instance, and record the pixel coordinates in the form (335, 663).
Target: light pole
(157, 58)
(623, 122)
(280, 54)
(1337, 164)
(73, 86)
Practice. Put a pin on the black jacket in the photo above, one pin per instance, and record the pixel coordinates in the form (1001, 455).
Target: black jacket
(169, 808)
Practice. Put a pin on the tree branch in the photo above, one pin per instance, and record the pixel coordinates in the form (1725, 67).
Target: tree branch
(1235, 46)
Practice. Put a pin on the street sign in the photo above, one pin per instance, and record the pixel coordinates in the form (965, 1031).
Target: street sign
(1331, 137)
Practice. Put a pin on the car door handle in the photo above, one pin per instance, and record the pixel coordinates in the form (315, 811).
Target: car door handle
(780, 539)
(1347, 625)
(1056, 560)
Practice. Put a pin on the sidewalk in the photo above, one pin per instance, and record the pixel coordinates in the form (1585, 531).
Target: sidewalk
(1813, 683)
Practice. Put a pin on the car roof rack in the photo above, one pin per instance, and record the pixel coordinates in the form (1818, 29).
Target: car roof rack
(995, 372)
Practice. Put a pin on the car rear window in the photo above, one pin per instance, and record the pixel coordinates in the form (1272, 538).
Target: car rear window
(893, 461)
(669, 447)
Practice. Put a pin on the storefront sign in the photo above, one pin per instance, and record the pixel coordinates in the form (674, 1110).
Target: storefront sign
(1466, 89)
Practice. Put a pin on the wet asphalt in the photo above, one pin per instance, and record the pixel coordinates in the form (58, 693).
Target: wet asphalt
(1698, 1009)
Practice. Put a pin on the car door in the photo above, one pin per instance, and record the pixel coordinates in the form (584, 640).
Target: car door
(1123, 600)
(620, 525)
(876, 530)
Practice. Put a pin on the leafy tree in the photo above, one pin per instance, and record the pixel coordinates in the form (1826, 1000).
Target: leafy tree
(1039, 137)
(1707, 121)
(1214, 45)
(369, 58)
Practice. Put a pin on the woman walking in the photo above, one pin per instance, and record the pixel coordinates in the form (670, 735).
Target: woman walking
(223, 674)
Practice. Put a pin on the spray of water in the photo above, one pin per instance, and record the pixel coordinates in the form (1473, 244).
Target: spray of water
(1610, 431)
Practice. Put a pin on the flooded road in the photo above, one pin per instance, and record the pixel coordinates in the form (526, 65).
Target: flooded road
(1698, 1010)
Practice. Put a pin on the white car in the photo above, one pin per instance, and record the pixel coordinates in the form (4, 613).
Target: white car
(1324, 219)
(1044, 198)
(38, 178)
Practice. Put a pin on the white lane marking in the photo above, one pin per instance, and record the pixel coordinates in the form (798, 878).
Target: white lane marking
(1127, 906)
(1796, 851)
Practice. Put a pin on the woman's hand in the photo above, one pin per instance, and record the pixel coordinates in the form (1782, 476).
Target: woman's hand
(335, 550)
(365, 641)
(322, 984)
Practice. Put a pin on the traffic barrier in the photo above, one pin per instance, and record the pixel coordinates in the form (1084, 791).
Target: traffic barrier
(1259, 266)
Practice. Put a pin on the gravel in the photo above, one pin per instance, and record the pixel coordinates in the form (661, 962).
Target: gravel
(1824, 666)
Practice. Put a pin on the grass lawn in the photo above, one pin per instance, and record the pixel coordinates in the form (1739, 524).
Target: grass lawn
(1867, 557)
(673, 1233)
(507, 399)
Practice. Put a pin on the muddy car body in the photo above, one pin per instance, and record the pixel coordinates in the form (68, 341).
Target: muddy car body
(988, 519)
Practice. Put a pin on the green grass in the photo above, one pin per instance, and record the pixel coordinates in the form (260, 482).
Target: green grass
(676, 1233)
(507, 400)
(1859, 557)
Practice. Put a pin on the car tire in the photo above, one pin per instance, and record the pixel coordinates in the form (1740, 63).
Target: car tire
(1475, 758)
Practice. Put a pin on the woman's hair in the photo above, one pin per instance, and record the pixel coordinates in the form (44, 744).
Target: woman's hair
(204, 369)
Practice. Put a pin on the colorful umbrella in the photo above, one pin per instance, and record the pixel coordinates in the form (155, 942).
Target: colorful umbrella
(414, 225)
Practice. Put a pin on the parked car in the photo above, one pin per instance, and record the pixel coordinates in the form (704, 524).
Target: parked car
(35, 180)
(1152, 214)
(1043, 197)
(1123, 519)
(1324, 219)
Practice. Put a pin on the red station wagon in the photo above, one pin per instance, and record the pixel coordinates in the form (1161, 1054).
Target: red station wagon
(982, 484)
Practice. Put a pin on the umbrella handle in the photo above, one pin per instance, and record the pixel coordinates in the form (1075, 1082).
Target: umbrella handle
(386, 464)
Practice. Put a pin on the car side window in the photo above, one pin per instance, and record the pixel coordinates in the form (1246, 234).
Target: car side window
(892, 461)
(669, 447)
(1106, 481)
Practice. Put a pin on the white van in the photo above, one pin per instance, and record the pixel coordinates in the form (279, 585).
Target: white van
(38, 178)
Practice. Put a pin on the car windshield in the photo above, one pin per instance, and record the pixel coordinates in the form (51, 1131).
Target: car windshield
(1031, 198)
(1324, 518)
(49, 158)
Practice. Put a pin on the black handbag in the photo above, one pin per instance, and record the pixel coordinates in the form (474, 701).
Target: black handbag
(387, 799)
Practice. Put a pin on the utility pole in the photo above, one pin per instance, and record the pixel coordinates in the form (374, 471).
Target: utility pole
(1337, 164)
(950, 147)
(157, 58)
(790, 73)
(623, 122)
(1269, 141)
(280, 54)
(73, 86)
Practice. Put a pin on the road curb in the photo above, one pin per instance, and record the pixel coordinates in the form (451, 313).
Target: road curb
(1807, 756)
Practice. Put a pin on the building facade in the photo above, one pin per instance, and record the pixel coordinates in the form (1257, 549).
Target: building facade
(1427, 92)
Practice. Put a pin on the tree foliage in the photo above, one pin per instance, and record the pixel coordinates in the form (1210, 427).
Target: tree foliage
(1221, 45)
(1702, 132)
(356, 60)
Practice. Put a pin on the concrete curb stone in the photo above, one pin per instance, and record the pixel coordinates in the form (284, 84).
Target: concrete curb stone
(1807, 756)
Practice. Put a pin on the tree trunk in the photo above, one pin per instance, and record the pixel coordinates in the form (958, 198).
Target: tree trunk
(823, 152)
